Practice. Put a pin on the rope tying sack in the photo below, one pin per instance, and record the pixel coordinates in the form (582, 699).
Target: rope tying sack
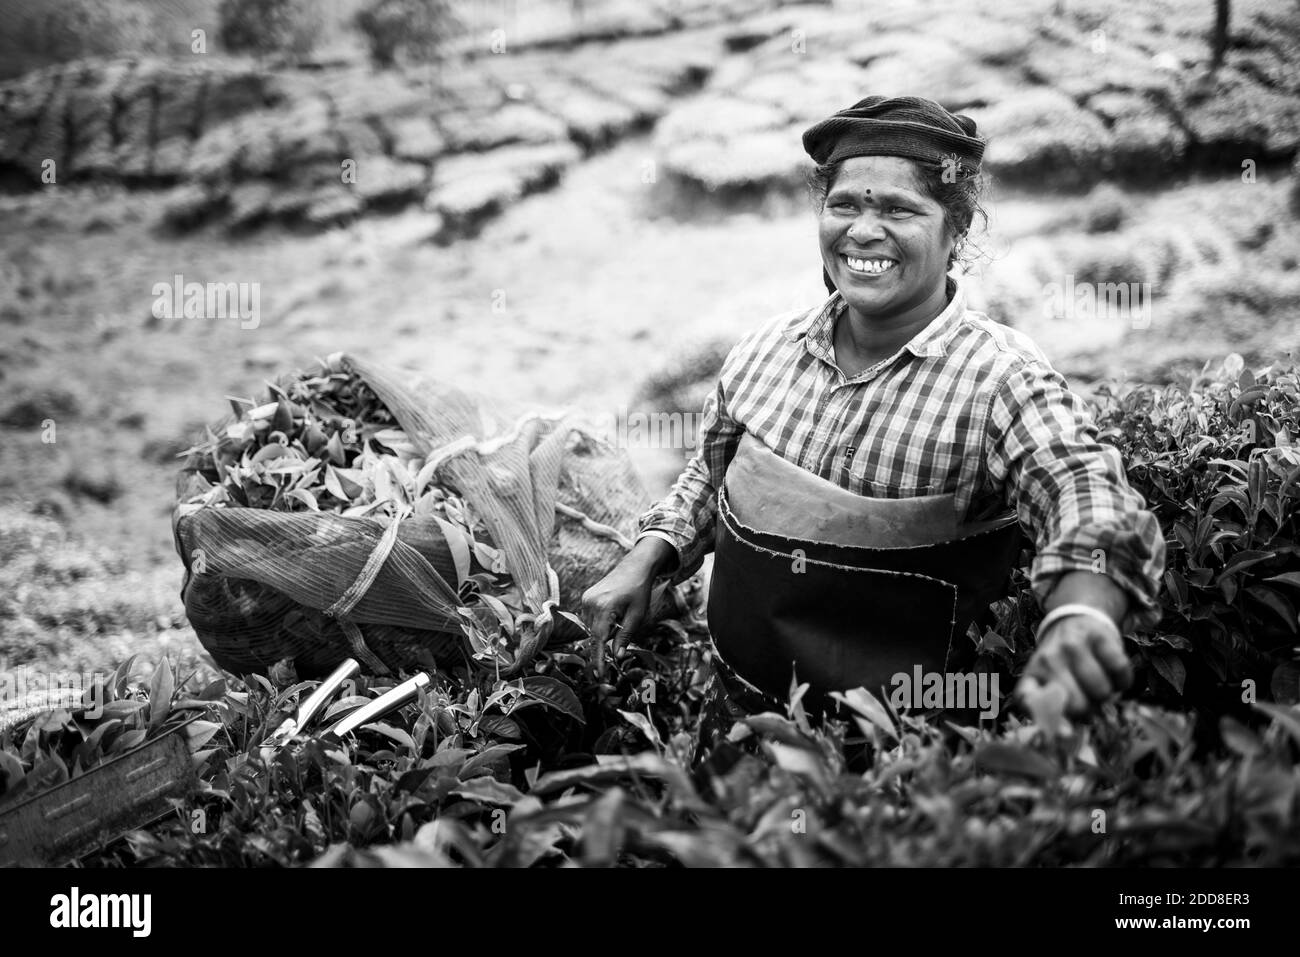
(357, 590)
(369, 571)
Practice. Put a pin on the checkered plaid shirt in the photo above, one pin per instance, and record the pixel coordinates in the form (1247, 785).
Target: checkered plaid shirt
(969, 407)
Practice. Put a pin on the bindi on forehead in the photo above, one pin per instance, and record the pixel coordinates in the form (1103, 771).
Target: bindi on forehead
(884, 195)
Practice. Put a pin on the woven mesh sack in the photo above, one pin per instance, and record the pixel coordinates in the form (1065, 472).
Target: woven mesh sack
(262, 586)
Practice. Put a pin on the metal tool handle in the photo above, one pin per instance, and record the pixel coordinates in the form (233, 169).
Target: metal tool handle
(390, 700)
(349, 669)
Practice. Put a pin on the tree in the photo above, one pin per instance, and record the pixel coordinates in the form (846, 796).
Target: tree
(1219, 39)
(416, 28)
(268, 26)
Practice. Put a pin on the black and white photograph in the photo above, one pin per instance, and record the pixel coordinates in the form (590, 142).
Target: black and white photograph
(652, 434)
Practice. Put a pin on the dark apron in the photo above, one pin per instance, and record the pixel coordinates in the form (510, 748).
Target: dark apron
(842, 590)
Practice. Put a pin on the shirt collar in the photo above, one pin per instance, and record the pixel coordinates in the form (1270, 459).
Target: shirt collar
(930, 341)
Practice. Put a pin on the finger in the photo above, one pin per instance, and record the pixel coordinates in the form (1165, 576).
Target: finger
(1027, 688)
(1038, 669)
(590, 610)
(618, 640)
(1036, 685)
(587, 615)
(1113, 658)
(1076, 702)
(598, 627)
(1045, 703)
(1088, 672)
(601, 620)
(628, 627)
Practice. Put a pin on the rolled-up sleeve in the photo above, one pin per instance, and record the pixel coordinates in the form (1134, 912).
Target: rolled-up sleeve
(1069, 489)
(687, 516)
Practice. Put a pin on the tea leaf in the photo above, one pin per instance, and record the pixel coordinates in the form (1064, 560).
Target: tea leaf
(1276, 602)
(1239, 738)
(556, 694)
(868, 705)
(128, 740)
(1245, 559)
(199, 733)
(486, 757)
(459, 544)
(500, 610)
(602, 830)
(122, 674)
(88, 752)
(488, 790)
(799, 761)
(53, 721)
(1287, 718)
(11, 772)
(1285, 683)
(500, 726)
(48, 772)
(613, 767)
(778, 727)
(161, 686)
(645, 726)
(342, 706)
(335, 453)
(396, 734)
(999, 757)
(335, 486)
(1172, 669)
(303, 496)
(123, 708)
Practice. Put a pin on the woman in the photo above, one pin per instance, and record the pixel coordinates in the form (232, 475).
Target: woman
(876, 439)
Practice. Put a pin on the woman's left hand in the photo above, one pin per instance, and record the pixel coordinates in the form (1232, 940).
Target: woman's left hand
(1086, 659)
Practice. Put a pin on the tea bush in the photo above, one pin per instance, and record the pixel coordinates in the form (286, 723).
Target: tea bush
(269, 26)
(1198, 766)
(502, 776)
(1218, 465)
(417, 28)
(37, 33)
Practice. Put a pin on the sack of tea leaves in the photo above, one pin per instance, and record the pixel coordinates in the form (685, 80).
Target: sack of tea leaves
(405, 523)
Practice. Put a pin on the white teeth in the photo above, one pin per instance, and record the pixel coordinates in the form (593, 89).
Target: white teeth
(870, 265)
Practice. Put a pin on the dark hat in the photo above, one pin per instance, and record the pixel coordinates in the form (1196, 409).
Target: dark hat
(909, 126)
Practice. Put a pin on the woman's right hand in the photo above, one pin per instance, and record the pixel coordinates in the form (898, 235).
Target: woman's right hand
(618, 602)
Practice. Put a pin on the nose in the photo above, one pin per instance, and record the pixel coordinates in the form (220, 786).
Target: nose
(866, 227)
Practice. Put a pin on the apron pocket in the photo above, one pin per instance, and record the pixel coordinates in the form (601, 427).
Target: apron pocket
(844, 626)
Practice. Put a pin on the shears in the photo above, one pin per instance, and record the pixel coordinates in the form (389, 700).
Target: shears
(389, 701)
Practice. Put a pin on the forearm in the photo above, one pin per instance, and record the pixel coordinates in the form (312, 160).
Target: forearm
(682, 521)
(687, 516)
(1090, 588)
(1114, 562)
(652, 556)
(1096, 541)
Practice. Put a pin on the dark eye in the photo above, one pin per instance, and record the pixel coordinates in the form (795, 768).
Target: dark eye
(899, 209)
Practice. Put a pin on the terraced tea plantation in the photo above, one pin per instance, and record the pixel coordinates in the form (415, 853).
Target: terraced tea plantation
(585, 210)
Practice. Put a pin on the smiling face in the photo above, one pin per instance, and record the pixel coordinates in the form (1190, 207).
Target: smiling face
(884, 242)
